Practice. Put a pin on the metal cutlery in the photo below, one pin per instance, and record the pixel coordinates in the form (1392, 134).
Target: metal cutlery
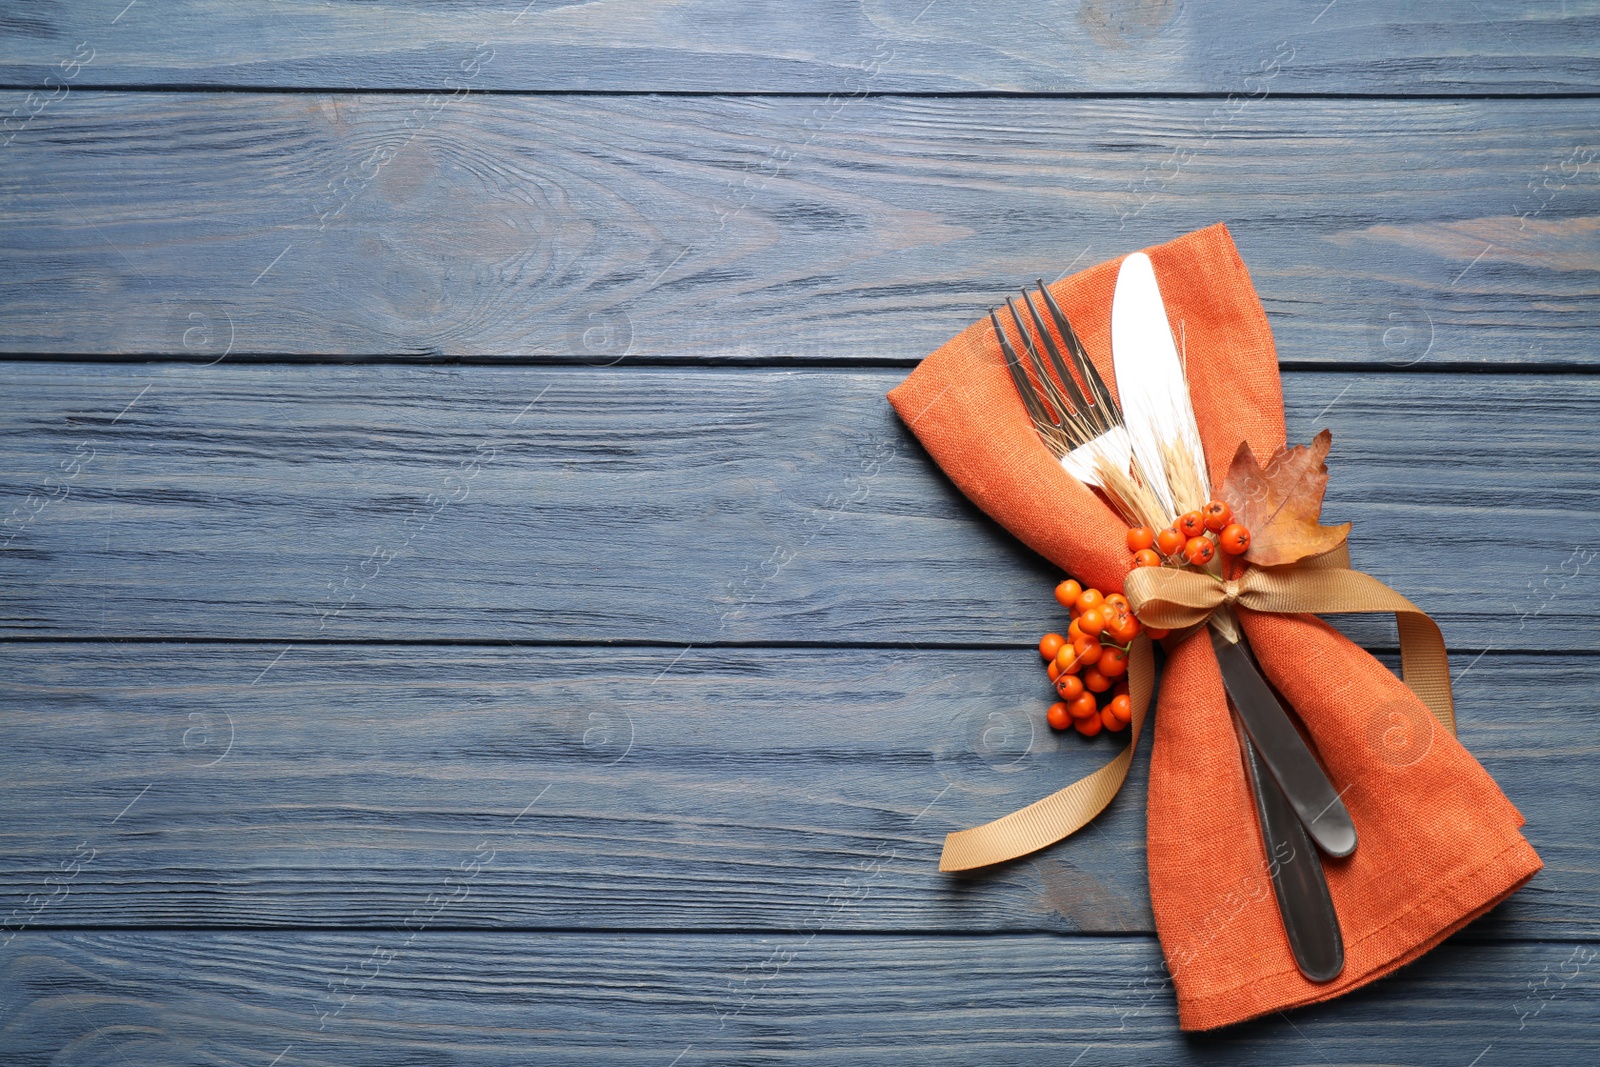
(1309, 920)
(1086, 428)
(1154, 395)
(1283, 750)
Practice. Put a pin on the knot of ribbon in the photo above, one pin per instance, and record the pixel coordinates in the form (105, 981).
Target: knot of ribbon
(1183, 600)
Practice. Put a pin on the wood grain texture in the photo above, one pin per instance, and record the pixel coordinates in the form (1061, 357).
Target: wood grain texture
(1378, 232)
(629, 789)
(876, 45)
(465, 1000)
(291, 503)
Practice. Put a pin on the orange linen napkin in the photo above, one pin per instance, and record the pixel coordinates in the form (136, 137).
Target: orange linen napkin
(1439, 842)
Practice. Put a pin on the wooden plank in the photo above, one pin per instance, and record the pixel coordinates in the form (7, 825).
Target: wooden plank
(593, 227)
(584, 788)
(483, 1000)
(719, 46)
(295, 504)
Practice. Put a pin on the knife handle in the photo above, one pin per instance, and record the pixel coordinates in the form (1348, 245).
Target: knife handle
(1283, 751)
(1304, 903)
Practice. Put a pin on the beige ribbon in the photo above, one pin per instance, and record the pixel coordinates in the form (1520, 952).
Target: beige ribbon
(1061, 813)
(1172, 599)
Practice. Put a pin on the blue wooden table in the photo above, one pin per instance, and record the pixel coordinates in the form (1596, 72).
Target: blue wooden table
(465, 600)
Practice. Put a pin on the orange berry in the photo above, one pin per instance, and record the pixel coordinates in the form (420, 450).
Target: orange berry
(1094, 681)
(1234, 539)
(1155, 633)
(1191, 524)
(1088, 727)
(1113, 663)
(1067, 659)
(1199, 551)
(1170, 541)
(1092, 622)
(1120, 619)
(1140, 537)
(1053, 669)
(1087, 651)
(1057, 717)
(1146, 557)
(1122, 707)
(1075, 631)
(1217, 515)
(1110, 721)
(1050, 644)
(1125, 630)
(1082, 706)
(1089, 598)
(1070, 686)
(1067, 592)
(1119, 602)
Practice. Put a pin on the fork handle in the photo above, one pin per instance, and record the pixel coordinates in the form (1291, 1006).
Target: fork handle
(1304, 904)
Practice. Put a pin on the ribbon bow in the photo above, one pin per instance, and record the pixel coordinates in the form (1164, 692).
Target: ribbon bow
(1182, 600)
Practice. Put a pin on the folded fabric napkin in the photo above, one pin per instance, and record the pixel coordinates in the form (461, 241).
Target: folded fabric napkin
(1439, 841)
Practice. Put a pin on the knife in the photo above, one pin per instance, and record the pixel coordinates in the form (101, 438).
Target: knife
(1154, 396)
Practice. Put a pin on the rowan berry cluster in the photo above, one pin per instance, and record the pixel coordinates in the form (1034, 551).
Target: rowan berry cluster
(1086, 664)
(1194, 538)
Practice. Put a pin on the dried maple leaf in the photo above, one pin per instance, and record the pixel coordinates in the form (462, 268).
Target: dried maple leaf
(1281, 502)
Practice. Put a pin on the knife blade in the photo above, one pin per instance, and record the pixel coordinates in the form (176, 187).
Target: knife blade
(1151, 386)
(1284, 751)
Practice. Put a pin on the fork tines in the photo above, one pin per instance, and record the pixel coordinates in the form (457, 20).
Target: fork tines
(1068, 411)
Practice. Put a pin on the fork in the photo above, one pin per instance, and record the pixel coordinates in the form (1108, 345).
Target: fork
(1078, 419)
(1082, 426)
